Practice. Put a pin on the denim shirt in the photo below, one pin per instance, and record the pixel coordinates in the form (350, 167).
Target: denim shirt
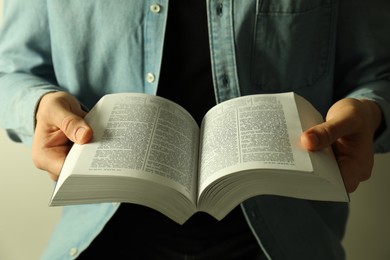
(323, 50)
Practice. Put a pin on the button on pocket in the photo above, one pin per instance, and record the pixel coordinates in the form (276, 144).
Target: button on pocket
(291, 44)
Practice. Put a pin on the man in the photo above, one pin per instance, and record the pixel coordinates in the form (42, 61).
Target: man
(56, 55)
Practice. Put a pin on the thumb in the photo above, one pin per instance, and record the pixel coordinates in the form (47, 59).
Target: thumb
(64, 112)
(325, 134)
(75, 128)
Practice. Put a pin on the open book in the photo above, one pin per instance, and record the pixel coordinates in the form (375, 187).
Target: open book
(150, 151)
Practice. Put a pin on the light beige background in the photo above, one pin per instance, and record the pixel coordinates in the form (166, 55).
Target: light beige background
(26, 221)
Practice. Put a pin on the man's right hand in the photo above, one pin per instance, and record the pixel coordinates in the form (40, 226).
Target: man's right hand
(59, 124)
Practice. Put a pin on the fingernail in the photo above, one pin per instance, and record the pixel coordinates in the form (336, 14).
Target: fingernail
(313, 139)
(79, 134)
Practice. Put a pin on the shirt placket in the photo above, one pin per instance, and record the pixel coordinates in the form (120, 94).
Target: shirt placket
(155, 23)
(223, 58)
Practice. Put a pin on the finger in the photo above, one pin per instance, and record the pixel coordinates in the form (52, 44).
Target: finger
(50, 159)
(325, 134)
(350, 175)
(75, 128)
(355, 162)
(65, 113)
(353, 173)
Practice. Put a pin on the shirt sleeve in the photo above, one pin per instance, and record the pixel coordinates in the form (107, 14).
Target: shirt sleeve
(26, 71)
(363, 57)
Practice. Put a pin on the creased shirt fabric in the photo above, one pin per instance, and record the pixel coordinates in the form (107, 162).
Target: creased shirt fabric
(323, 50)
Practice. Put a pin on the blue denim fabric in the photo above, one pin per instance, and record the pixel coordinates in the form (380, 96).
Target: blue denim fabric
(323, 50)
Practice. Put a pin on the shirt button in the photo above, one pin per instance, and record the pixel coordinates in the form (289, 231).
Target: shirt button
(155, 8)
(73, 251)
(225, 81)
(219, 9)
(150, 77)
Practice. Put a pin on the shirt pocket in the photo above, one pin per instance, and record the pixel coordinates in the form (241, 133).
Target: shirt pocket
(291, 46)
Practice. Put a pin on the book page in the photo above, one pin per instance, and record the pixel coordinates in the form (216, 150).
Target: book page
(252, 132)
(142, 136)
(323, 161)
